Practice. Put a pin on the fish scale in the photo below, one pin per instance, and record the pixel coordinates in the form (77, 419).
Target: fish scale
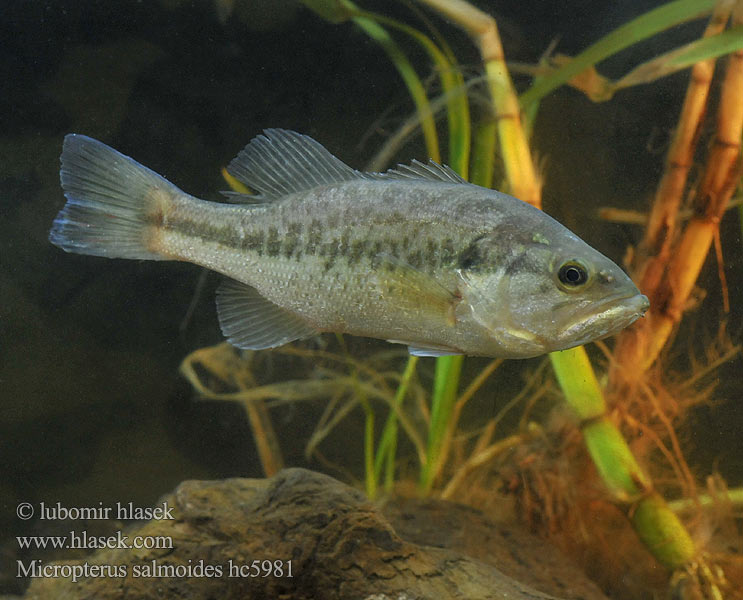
(415, 255)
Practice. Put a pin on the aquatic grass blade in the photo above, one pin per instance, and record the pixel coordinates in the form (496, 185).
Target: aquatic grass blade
(339, 11)
(387, 447)
(452, 84)
(445, 385)
(333, 11)
(683, 58)
(415, 87)
(235, 184)
(483, 157)
(640, 28)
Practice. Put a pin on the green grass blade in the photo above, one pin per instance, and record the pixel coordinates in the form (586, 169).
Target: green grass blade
(338, 11)
(370, 482)
(445, 385)
(710, 47)
(333, 11)
(411, 79)
(447, 368)
(387, 448)
(453, 86)
(684, 57)
(483, 158)
(638, 29)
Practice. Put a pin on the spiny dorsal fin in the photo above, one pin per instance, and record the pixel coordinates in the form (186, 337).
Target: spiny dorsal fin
(431, 170)
(282, 162)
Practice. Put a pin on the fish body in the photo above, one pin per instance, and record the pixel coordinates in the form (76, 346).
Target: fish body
(415, 255)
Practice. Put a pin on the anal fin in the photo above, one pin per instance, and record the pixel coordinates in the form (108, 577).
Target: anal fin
(251, 322)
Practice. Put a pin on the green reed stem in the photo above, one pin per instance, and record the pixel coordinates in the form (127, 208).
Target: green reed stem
(610, 453)
(656, 524)
(662, 532)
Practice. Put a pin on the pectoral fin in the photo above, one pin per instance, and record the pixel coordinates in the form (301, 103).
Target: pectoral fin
(418, 349)
(251, 322)
(433, 351)
(415, 290)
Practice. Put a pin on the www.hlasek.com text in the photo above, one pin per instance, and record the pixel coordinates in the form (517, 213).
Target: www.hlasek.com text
(83, 541)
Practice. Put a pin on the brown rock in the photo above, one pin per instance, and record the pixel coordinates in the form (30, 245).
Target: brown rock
(333, 541)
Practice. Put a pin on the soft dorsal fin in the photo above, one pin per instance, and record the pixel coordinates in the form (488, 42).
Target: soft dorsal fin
(250, 321)
(282, 162)
(431, 170)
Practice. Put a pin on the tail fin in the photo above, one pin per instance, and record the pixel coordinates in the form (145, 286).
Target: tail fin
(113, 203)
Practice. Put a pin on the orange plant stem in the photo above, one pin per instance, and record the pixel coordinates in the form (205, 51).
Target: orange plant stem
(662, 222)
(643, 344)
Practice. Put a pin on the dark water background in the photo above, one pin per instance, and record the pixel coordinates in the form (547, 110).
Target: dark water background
(92, 407)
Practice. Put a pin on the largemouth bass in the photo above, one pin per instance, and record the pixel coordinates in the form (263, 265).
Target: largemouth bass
(415, 255)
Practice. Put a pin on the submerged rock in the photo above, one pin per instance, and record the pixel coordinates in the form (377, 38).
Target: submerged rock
(302, 535)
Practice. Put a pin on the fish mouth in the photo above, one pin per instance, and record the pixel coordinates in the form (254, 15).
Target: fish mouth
(607, 317)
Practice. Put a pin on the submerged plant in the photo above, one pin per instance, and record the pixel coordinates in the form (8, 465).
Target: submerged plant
(632, 398)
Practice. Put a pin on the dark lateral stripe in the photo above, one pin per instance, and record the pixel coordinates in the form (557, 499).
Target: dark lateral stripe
(425, 254)
(224, 235)
(273, 244)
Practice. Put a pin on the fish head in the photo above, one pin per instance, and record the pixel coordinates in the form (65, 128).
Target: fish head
(551, 292)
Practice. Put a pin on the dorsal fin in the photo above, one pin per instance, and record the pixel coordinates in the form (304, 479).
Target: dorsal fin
(431, 170)
(282, 162)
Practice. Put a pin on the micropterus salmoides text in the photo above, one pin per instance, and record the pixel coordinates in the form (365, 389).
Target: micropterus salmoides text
(415, 255)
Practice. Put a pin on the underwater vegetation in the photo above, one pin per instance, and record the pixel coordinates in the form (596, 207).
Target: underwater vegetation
(601, 470)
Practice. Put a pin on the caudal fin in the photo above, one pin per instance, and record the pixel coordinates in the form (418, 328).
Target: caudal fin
(114, 204)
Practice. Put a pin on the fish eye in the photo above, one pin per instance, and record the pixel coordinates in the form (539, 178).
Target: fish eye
(572, 274)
